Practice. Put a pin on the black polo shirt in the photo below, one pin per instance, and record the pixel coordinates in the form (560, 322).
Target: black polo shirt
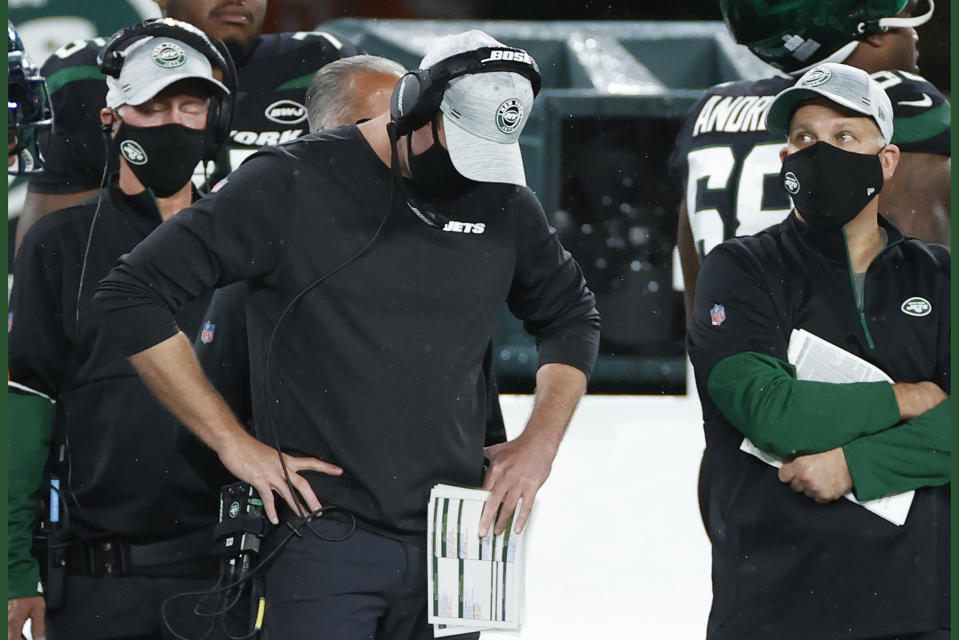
(131, 468)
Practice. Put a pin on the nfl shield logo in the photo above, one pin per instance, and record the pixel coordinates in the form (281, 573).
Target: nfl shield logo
(206, 334)
(717, 314)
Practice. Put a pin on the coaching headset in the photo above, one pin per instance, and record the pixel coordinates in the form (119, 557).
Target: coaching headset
(418, 94)
(110, 61)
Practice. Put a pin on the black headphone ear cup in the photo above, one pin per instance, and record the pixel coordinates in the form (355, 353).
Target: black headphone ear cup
(109, 60)
(396, 109)
(403, 103)
(222, 107)
(108, 65)
(214, 126)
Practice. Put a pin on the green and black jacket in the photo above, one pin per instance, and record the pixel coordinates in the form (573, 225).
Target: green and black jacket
(785, 566)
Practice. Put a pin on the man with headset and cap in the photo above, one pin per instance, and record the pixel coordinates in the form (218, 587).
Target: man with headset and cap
(273, 73)
(132, 495)
(341, 93)
(805, 563)
(378, 256)
(725, 161)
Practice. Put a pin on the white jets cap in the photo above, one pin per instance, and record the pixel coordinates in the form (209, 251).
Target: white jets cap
(846, 86)
(151, 65)
(483, 113)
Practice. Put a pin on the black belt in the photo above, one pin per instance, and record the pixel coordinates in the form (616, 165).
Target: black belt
(184, 556)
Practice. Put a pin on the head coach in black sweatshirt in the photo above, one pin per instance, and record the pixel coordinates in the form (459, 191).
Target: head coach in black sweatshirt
(378, 257)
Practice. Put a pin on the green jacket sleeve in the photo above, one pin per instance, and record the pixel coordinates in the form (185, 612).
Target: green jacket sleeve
(761, 397)
(30, 420)
(915, 454)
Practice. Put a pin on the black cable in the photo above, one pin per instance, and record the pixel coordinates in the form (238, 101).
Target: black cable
(105, 129)
(230, 636)
(301, 507)
(93, 223)
(196, 608)
(294, 530)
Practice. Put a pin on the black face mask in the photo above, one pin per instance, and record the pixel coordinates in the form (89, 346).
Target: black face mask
(830, 186)
(434, 176)
(162, 158)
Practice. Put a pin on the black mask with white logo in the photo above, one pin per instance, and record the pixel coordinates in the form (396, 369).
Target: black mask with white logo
(162, 158)
(830, 186)
(434, 176)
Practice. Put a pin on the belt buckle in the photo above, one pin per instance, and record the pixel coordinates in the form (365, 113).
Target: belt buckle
(106, 558)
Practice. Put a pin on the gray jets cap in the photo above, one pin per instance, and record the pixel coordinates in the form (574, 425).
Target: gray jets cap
(847, 86)
(483, 113)
(151, 65)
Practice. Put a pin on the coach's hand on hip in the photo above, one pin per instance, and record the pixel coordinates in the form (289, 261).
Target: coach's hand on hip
(258, 464)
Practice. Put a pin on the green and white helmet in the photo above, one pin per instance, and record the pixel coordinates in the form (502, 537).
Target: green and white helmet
(795, 34)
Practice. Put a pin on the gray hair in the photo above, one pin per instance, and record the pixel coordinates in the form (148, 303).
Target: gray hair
(329, 104)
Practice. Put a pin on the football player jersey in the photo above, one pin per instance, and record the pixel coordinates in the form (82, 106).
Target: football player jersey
(272, 80)
(727, 164)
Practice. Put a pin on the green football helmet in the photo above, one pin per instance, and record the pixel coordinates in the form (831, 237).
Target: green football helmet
(795, 34)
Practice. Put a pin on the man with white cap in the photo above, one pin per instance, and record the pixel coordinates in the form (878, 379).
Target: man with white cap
(273, 70)
(132, 495)
(725, 161)
(787, 565)
(379, 256)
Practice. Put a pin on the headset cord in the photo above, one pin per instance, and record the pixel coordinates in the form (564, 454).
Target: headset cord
(96, 211)
(83, 271)
(239, 582)
(302, 511)
(301, 507)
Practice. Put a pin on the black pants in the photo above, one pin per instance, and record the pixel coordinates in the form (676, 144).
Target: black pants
(128, 608)
(363, 588)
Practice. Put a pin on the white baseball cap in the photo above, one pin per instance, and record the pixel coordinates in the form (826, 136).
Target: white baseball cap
(847, 86)
(152, 64)
(483, 113)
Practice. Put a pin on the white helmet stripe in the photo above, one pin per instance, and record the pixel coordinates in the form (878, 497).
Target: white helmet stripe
(912, 21)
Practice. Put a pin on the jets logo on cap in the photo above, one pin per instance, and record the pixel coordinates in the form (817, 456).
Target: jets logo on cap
(168, 55)
(816, 77)
(509, 115)
(133, 152)
(917, 307)
(791, 182)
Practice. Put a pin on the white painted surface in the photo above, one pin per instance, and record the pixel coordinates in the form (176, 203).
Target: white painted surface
(618, 548)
